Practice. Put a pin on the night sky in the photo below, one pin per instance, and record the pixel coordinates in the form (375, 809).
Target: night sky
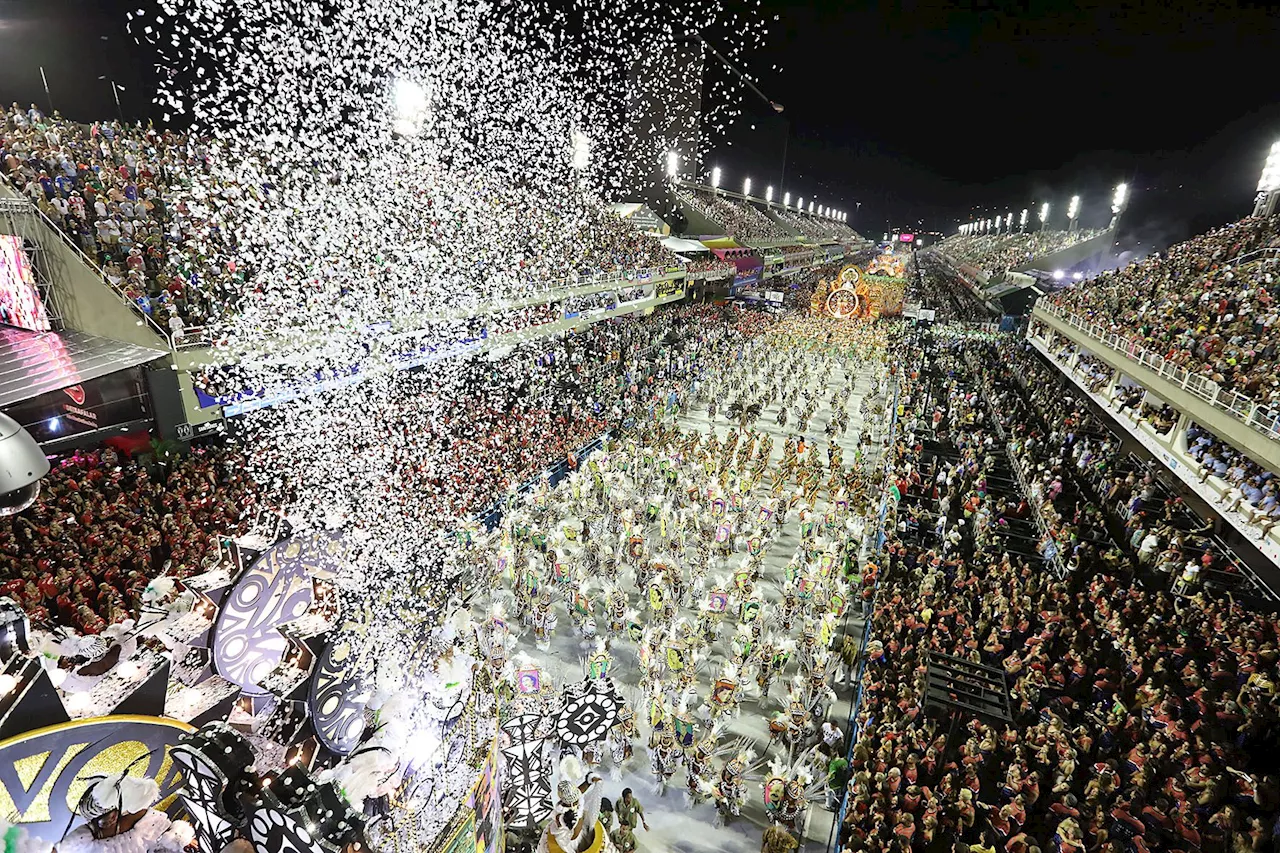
(921, 112)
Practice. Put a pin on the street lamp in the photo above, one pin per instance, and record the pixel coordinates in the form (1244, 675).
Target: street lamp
(1268, 184)
(1073, 212)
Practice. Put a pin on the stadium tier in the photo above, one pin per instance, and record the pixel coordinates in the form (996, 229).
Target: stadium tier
(995, 254)
(499, 519)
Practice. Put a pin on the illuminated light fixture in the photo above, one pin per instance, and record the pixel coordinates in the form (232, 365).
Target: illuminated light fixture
(811, 207)
(768, 194)
(1270, 180)
(997, 223)
(409, 100)
(1077, 275)
(715, 178)
(673, 164)
(1073, 209)
(746, 187)
(800, 204)
(1022, 220)
(1122, 190)
(580, 156)
(1058, 274)
(1044, 212)
(786, 199)
(1008, 219)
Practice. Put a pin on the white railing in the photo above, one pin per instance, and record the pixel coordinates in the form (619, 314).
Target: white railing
(1264, 419)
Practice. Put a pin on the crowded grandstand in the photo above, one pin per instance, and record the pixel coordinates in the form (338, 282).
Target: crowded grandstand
(685, 520)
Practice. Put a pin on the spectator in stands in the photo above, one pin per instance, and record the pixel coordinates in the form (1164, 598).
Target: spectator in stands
(1198, 306)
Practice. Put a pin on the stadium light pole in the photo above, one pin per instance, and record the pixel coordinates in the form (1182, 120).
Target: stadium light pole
(1119, 201)
(1022, 220)
(715, 178)
(673, 165)
(1044, 214)
(746, 186)
(1073, 213)
(800, 204)
(786, 199)
(1264, 204)
(768, 195)
(1008, 222)
(746, 81)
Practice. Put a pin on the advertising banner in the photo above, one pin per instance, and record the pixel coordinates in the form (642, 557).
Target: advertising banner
(110, 400)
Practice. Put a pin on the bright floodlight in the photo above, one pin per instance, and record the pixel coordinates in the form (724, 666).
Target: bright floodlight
(1022, 220)
(1008, 219)
(1077, 275)
(746, 187)
(800, 204)
(1044, 212)
(811, 207)
(1119, 199)
(1074, 207)
(409, 100)
(715, 177)
(768, 193)
(786, 199)
(673, 164)
(580, 159)
(1270, 180)
(1058, 274)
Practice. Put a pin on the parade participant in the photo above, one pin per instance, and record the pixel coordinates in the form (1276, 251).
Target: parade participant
(630, 811)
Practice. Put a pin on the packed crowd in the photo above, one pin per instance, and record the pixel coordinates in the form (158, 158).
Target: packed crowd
(543, 401)
(1248, 483)
(740, 219)
(711, 267)
(996, 254)
(818, 228)
(1198, 306)
(1139, 719)
(119, 191)
(105, 526)
(944, 292)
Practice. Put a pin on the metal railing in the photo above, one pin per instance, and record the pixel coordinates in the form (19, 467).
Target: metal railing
(22, 206)
(1263, 418)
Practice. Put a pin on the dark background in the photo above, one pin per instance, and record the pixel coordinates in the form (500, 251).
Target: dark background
(925, 113)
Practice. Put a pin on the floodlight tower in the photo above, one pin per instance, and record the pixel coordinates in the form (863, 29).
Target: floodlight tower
(1269, 184)
(1119, 201)
(1022, 221)
(673, 165)
(1044, 214)
(768, 196)
(1008, 222)
(1073, 213)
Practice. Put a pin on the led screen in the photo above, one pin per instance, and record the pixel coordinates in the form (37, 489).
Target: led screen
(20, 303)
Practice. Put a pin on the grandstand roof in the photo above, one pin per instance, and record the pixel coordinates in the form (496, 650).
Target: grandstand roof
(34, 363)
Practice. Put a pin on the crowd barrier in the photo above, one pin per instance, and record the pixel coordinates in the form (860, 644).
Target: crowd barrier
(851, 724)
